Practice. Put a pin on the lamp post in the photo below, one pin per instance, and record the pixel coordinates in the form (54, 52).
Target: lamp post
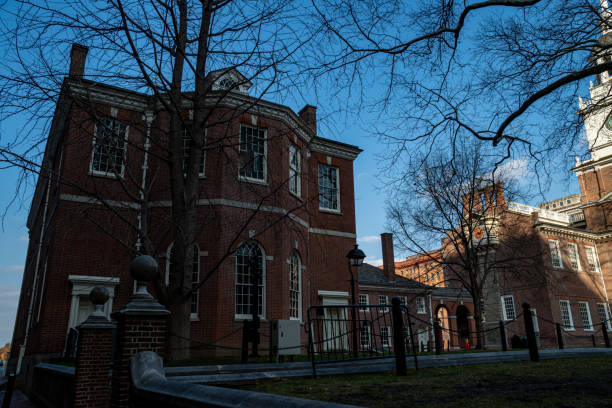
(355, 259)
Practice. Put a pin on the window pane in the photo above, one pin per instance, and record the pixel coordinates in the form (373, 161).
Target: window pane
(585, 315)
(244, 254)
(252, 152)
(328, 187)
(294, 287)
(109, 147)
(566, 315)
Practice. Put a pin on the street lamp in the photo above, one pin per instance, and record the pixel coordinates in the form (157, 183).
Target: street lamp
(355, 258)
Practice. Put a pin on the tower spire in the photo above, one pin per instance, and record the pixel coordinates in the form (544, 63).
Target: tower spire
(606, 17)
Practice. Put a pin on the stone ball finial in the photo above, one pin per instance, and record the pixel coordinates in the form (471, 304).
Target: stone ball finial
(99, 295)
(144, 268)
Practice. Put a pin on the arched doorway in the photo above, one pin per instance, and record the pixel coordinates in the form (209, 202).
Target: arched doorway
(442, 316)
(463, 327)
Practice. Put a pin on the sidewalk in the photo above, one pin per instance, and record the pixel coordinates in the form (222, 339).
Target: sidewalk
(244, 373)
(18, 400)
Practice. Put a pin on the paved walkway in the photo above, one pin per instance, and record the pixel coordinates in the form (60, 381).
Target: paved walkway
(18, 400)
(242, 373)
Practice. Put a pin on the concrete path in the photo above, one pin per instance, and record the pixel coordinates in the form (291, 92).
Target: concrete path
(244, 373)
(18, 400)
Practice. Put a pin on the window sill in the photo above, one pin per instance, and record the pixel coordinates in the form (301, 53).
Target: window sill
(589, 330)
(241, 318)
(194, 318)
(568, 330)
(104, 175)
(330, 211)
(252, 180)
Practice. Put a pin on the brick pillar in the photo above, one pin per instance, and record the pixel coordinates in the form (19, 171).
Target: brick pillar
(141, 326)
(92, 375)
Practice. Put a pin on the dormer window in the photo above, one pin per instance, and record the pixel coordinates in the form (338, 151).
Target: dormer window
(227, 83)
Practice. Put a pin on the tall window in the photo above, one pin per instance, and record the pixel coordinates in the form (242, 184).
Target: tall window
(555, 253)
(363, 300)
(592, 259)
(604, 315)
(365, 336)
(385, 336)
(383, 300)
(572, 250)
(109, 145)
(295, 287)
(585, 316)
(566, 315)
(294, 170)
(420, 305)
(195, 276)
(188, 142)
(252, 149)
(328, 188)
(249, 255)
(508, 307)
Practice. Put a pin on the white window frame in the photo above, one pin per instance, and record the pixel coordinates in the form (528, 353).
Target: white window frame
(574, 258)
(111, 172)
(366, 301)
(195, 296)
(263, 286)
(187, 152)
(365, 333)
(594, 261)
(420, 305)
(337, 187)
(606, 315)
(534, 319)
(292, 291)
(249, 167)
(569, 324)
(555, 254)
(585, 316)
(385, 336)
(383, 300)
(295, 170)
(507, 301)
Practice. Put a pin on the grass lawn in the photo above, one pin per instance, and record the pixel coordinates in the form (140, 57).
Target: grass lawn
(578, 382)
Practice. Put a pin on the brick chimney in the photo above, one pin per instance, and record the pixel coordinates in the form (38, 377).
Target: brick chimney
(386, 240)
(78, 55)
(309, 115)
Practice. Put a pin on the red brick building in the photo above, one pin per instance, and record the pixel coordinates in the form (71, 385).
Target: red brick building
(269, 188)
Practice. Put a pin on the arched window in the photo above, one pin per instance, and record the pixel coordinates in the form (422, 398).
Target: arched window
(195, 276)
(295, 287)
(248, 255)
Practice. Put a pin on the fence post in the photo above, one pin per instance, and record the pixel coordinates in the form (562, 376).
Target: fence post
(604, 330)
(437, 335)
(531, 338)
(559, 336)
(502, 335)
(93, 357)
(398, 336)
(141, 326)
(8, 394)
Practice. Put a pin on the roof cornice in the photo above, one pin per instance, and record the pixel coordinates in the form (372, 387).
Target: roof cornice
(568, 232)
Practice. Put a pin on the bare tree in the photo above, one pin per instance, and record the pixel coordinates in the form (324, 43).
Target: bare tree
(458, 200)
(165, 50)
(507, 72)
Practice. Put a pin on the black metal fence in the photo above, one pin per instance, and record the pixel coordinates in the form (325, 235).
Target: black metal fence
(358, 332)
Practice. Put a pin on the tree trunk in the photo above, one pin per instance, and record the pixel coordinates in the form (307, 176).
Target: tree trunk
(178, 345)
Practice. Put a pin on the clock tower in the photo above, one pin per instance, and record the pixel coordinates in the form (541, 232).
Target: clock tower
(595, 174)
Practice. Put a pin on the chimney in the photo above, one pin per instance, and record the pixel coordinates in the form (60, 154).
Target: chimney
(309, 115)
(386, 240)
(78, 55)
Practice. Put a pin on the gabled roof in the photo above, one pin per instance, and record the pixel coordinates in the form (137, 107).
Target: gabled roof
(369, 274)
